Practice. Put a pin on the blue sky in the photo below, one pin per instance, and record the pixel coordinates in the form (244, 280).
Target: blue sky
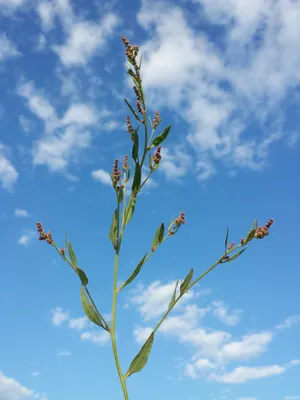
(226, 76)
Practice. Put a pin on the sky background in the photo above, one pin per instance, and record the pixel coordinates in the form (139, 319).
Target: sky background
(226, 75)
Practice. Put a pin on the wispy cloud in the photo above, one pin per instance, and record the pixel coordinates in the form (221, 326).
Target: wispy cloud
(78, 323)
(59, 316)
(100, 338)
(289, 322)
(63, 353)
(36, 373)
(229, 317)
(8, 173)
(7, 47)
(102, 176)
(26, 238)
(11, 389)
(21, 212)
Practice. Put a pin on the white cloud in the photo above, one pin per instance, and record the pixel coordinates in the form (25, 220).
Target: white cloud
(26, 124)
(26, 238)
(208, 85)
(292, 398)
(21, 212)
(229, 317)
(100, 338)
(7, 48)
(8, 173)
(80, 114)
(175, 164)
(63, 353)
(78, 323)
(249, 346)
(244, 374)
(102, 176)
(11, 389)
(85, 39)
(247, 398)
(153, 300)
(59, 316)
(141, 334)
(36, 373)
(289, 322)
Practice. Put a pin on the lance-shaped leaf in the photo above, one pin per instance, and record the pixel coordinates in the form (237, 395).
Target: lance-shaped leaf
(173, 299)
(185, 284)
(66, 242)
(72, 255)
(135, 147)
(159, 235)
(137, 178)
(113, 233)
(150, 162)
(132, 110)
(130, 210)
(226, 240)
(134, 273)
(139, 362)
(89, 309)
(82, 276)
(236, 255)
(162, 137)
(251, 233)
(134, 77)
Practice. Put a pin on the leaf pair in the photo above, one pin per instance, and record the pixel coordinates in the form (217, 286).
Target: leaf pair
(82, 276)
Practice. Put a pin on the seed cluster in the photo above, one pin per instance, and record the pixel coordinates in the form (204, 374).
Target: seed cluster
(116, 173)
(263, 231)
(156, 120)
(43, 234)
(125, 163)
(129, 125)
(157, 155)
(177, 224)
(230, 247)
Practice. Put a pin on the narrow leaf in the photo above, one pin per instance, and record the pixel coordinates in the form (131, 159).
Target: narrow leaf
(252, 231)
(186, 282)
(89, 309)
(137, 178)
(135, 147)
(132, 110)
(134, 78)
(162, 137)
(72, 255)
(236, 255)
(130, 210)
(135, 272)
(150, 162)
(173, 299)
(226, 240)
(159, 235)
(139, 362)
(82, 276)
(113, 234)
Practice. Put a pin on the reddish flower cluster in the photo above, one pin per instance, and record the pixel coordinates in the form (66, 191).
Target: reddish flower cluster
(140, 107)
(116, 172)
(62, 252)
(181, 219)
(137, 93)
(177, 224)
(242, 241)
(125, 163)
(129, 125)
(230, 247)
(263, 231)
(131, 54)
(43, 234)
(156, 120)
(157, 155)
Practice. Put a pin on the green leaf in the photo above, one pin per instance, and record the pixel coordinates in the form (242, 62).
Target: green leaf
(113, 234)
(162, 137)
(89, 309)
(135, 147)
(137, 178)
(226, 240)
(139, 362)
(82, 276)
(135, 272)
(236, 255)
(186, 282)
(140, 64)
(134, 78)
(132, 110)
(252, 231)
(72, 255)
(130, 210)
(159, 235)
(173, 299)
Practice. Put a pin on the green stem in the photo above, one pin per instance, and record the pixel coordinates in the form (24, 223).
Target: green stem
(113, 328)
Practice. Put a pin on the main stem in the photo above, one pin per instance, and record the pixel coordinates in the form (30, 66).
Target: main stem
(113, 328)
